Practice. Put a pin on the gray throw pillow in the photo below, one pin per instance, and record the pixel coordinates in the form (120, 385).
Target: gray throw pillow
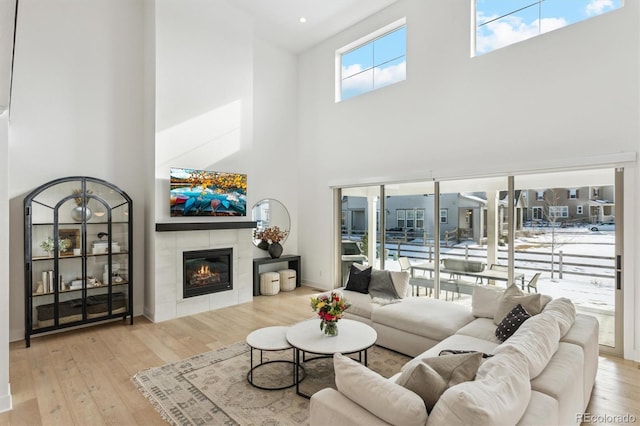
(433, 376)
(381, 285)
(513, 297)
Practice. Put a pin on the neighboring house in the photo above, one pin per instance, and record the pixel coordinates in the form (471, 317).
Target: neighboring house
(570, 206)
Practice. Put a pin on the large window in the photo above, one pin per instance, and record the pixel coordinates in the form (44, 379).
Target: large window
(500, 23)
(495, 231)
(372, 62)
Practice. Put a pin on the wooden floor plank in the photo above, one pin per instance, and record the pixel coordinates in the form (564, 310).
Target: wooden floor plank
(83, 376)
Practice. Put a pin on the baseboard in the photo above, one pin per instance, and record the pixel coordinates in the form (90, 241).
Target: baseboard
(6, 403)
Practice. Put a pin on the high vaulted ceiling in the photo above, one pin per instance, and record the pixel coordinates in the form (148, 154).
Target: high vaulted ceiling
(275, 20)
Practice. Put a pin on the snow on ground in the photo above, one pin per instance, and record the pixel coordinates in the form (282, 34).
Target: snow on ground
(590, 293)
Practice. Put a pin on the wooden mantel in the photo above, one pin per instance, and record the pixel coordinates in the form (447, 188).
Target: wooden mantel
(203, 226)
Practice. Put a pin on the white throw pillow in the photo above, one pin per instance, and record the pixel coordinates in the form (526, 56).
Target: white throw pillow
(382, 397)
(485, 300)
(498, 396)
(401, 283)
(537, 339)
(564, 311)
(513, 297)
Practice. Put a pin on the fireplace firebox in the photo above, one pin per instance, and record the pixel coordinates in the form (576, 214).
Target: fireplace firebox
(207, 271)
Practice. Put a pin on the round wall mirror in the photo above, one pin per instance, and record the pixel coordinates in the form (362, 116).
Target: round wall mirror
(269, 213)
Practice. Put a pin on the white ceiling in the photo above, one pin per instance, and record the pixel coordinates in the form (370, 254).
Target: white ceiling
(278, 20)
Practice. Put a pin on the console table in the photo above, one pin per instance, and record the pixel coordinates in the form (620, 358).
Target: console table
(292, 259)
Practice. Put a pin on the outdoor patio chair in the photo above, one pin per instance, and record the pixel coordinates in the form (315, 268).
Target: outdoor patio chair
(405, 265)
(533, 283)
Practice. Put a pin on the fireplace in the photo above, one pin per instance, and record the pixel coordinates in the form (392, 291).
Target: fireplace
(207, 271)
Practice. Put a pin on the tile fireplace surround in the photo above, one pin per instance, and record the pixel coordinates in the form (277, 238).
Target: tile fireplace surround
(167, 298)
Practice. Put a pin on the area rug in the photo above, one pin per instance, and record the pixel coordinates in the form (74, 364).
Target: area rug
(212, 388)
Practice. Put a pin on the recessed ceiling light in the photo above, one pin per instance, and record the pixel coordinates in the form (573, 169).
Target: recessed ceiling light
(302, 19)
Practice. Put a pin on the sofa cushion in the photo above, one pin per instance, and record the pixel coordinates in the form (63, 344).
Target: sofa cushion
(485, 300)
(384, 398)
(542, 410)
(431, 377)
(563, 379)
(498, 396)
(360, 303)
(358, 279)
(456, 342)
(511, 322)
(482, 328)
(511, 298)
(564, 311)
(585, 333)
(537, 339)
(434, 319)
(329, 407)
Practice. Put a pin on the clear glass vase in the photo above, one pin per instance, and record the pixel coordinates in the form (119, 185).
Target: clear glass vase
(330, 328)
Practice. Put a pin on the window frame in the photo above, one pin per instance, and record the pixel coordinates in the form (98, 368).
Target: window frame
(401, 212)
(444, 216)
(371, 37)
(563, 210)
(476, 25)
(420, 218)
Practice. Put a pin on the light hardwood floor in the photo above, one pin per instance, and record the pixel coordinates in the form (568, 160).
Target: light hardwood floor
(83, 377)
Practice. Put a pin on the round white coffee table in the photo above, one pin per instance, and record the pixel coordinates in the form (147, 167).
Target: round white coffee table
(307, 338)
(271, 339)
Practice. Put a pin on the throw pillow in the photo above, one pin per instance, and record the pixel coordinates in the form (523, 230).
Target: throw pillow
(358, 279)
(381, 285)
(385, 399)
(485, 301)
(431, 377)
(458, 351)
(401, 283)
(512, 297)
(511, 322)
(564, 311)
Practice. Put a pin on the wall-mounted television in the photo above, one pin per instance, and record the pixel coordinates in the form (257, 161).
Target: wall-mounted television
(207, 193)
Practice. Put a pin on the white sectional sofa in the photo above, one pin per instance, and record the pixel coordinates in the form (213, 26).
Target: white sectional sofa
(542, 375)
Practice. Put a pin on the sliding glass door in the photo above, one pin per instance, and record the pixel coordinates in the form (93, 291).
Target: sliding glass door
(554, 233)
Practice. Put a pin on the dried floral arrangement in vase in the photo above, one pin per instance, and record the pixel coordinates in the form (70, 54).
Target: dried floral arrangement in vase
(270, 239)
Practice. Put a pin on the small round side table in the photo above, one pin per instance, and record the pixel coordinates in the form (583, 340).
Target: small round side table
(272, 339)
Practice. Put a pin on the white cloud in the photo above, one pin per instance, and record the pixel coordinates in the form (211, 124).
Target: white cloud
(390, 75)
(363, 81)
(598, 7)
(510, 30)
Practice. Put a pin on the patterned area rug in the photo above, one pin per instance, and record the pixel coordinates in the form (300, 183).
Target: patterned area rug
(212, 388)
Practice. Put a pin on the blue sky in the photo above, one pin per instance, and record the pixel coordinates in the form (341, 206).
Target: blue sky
(376, 64)
(500, 23)
(540, 17)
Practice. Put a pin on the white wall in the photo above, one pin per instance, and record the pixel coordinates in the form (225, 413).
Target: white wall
(565, 98)
(274, 149)
(225, 101)
(77, 109)
(5, 391)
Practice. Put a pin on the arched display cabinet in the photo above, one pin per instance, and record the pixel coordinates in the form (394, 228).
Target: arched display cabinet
(78, 254)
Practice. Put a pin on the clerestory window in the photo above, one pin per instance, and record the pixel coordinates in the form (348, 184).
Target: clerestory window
(372, 62)
(500, 23)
